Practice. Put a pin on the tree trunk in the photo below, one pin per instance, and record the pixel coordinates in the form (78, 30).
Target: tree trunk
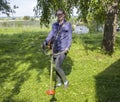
(110, 28)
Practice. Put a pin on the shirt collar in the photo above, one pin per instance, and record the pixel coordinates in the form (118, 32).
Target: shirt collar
(62, 23)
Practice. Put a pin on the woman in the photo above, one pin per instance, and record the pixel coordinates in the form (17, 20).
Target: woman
(61, 37)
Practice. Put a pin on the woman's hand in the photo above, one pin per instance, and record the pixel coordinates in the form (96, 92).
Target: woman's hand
(66, 50)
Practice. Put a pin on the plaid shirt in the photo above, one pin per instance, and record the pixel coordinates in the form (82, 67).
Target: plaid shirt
(63, 39)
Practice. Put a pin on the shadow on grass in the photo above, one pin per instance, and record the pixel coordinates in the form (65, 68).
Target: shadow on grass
(108, 84)
(90, 42)
(67, 65)
(19, 54)
(54, 99)
(117, 44)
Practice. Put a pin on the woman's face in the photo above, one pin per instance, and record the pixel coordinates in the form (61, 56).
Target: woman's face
(60, 15)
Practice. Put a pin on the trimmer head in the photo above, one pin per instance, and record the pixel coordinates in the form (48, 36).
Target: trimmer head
(50, 92)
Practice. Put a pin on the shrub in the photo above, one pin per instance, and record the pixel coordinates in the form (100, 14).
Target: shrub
(26, 18)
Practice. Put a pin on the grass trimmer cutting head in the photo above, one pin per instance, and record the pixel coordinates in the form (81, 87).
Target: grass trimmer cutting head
(50, 92)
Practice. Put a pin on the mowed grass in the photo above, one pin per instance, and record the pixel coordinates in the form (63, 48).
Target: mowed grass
(24, 70)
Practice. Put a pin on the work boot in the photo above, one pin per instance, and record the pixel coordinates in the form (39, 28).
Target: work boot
(58, 84)
(66, 84)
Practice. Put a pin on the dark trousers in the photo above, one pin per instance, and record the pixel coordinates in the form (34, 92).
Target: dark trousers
(60, 74)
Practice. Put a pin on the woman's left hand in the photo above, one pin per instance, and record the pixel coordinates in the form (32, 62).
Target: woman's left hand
(66, 50)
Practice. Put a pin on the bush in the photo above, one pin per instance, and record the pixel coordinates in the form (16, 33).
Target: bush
(26, 18)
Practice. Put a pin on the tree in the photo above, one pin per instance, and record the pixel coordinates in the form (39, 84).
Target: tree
(103, 11)
(110, 27)
(26, 18)
(5, 7)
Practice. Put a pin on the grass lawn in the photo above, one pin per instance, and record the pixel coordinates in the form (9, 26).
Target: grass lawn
(24, 70)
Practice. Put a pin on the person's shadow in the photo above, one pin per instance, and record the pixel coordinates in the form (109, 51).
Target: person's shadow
(67, 65)
(108, 84)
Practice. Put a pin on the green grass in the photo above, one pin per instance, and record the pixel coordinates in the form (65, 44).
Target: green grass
(24, 70)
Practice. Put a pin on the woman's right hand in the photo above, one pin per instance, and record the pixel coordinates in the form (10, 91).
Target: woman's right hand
(44, 45)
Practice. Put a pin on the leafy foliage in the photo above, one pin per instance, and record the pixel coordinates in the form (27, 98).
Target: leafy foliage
(86, 9)
(47, 8)
(5, 7)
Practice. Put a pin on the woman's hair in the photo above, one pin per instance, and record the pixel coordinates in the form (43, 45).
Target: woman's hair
(61, 11)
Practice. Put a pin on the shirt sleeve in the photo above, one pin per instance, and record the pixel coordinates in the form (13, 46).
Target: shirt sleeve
(50, 35)
(69, 35)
